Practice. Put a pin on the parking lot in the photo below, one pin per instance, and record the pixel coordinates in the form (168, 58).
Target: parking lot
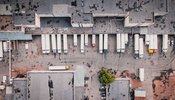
(33, 57)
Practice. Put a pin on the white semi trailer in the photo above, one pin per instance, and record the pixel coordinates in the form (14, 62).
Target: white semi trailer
(1, 51)
(136, 43)
(155, 42)
(53, 41)
(75, 40)
(5, 46)
(122, 42)
(82, 44)
(59, 42)
(93, 40)
(118, 43)
(165, 43)
(58, 68)
(147, 39)
(100, 43)
(47, 41)
(86, 40)
(105, 44)
(65, 45)
(43, 43)
(141, 48)
(126, 38)
(141, 74)
(151, 42)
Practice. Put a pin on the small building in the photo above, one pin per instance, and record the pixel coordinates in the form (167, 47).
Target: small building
(119, 90)
(140, 94)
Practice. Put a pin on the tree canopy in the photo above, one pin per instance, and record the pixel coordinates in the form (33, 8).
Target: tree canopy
(106, 77)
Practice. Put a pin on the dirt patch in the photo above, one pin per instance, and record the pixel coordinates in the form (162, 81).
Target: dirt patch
(164, 86)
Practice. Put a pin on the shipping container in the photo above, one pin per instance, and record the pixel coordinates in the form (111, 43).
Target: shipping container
(53, 41)
(82, 43)
(86, 39)
(59, 42)
(75, 39)
(47, 41)
(141, 74)
(141, 48)
(165, 43)
(105, 44)
(136, 43)
(122, 42)
(1, 51)
(65, 45)
(93, 40)
(147, 39)
(5, 46)
(43, 43)
(100, 43)
(118, 43)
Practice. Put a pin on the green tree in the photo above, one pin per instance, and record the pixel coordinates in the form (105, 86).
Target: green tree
(106, 77)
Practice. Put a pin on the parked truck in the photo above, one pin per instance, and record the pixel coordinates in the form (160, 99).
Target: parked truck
(86, 39)
(105, 44)
(47, 41)
(93, 40)
(59, 42)
(53, 41)
(141, 74)
(141, 48)
(136, 43)
(65, 45)
(155, 43)
(43, 43)
(59, 68)
(165, 43)
(151, 44)
(118, 43)
(1, 51)
(75, 40)
(82, 43)
(100, 43)
(122, 42)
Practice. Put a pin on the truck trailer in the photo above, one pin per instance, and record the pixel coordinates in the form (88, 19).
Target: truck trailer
(1, 51)
(136, 43)
(122, 42)
(126, 38)
(59, 42)
(86, 39)
(47, 41)
(5, 46)
(59, 68)
(141, 48)
(65, 45)
(141, 74)
(147, 39)
(118, 43)
(105, 44)
(93, 40)
(100, 43)
(82, 44)
(165, 43)
(43, 43)
(53, 41)
(75, 40)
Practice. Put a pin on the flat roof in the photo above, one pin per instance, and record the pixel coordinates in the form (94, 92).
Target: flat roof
(20, 89)
(7, 24)
(119, 90)
(62, 87)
